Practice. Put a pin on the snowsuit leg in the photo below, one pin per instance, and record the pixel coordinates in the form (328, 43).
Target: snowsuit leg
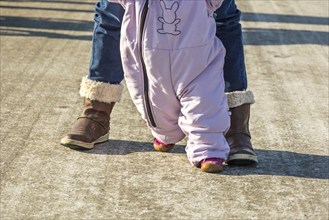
(162, 95)
(205, 114)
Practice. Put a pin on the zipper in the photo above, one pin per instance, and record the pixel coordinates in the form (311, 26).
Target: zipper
(145, 77)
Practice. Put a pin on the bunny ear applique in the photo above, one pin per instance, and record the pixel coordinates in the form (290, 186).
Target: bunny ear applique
(174, 6)
(163, 5)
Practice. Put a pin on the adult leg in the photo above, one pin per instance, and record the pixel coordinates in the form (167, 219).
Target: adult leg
(239, 98)
(101, 89)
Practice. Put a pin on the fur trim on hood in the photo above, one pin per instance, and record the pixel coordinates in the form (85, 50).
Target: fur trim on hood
(238, 98)
(100, 91)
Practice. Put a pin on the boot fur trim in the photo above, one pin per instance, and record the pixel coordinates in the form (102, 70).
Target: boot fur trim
(238, 98)
(100, 91)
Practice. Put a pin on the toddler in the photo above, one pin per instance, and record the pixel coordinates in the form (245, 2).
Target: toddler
(173, 65)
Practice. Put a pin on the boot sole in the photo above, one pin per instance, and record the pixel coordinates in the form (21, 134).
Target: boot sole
(75, 144)
(242, 160)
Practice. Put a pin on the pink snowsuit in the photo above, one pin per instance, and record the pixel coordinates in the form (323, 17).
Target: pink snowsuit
(173, 65)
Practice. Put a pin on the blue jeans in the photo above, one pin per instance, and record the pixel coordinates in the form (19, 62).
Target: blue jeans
(105, 63)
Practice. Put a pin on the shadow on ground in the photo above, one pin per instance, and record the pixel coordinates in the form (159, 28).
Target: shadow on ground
(121, 147)
(280, 18)
(53, 1)
(267, 37)
(271, 162)
(47, 9)
(285, 163)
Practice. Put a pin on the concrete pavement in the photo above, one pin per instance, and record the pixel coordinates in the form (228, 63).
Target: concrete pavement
(45, 49)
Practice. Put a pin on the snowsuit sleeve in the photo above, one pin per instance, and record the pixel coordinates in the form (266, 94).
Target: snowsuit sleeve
(213, 5)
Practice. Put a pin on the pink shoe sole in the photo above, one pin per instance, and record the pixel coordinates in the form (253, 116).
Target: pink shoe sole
(212, 165)
(159, 146)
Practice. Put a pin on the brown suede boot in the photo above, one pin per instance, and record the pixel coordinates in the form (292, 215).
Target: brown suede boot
(92, 127)
(238, 138)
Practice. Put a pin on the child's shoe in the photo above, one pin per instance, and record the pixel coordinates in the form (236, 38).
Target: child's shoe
(159, 146)
(212, 165)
